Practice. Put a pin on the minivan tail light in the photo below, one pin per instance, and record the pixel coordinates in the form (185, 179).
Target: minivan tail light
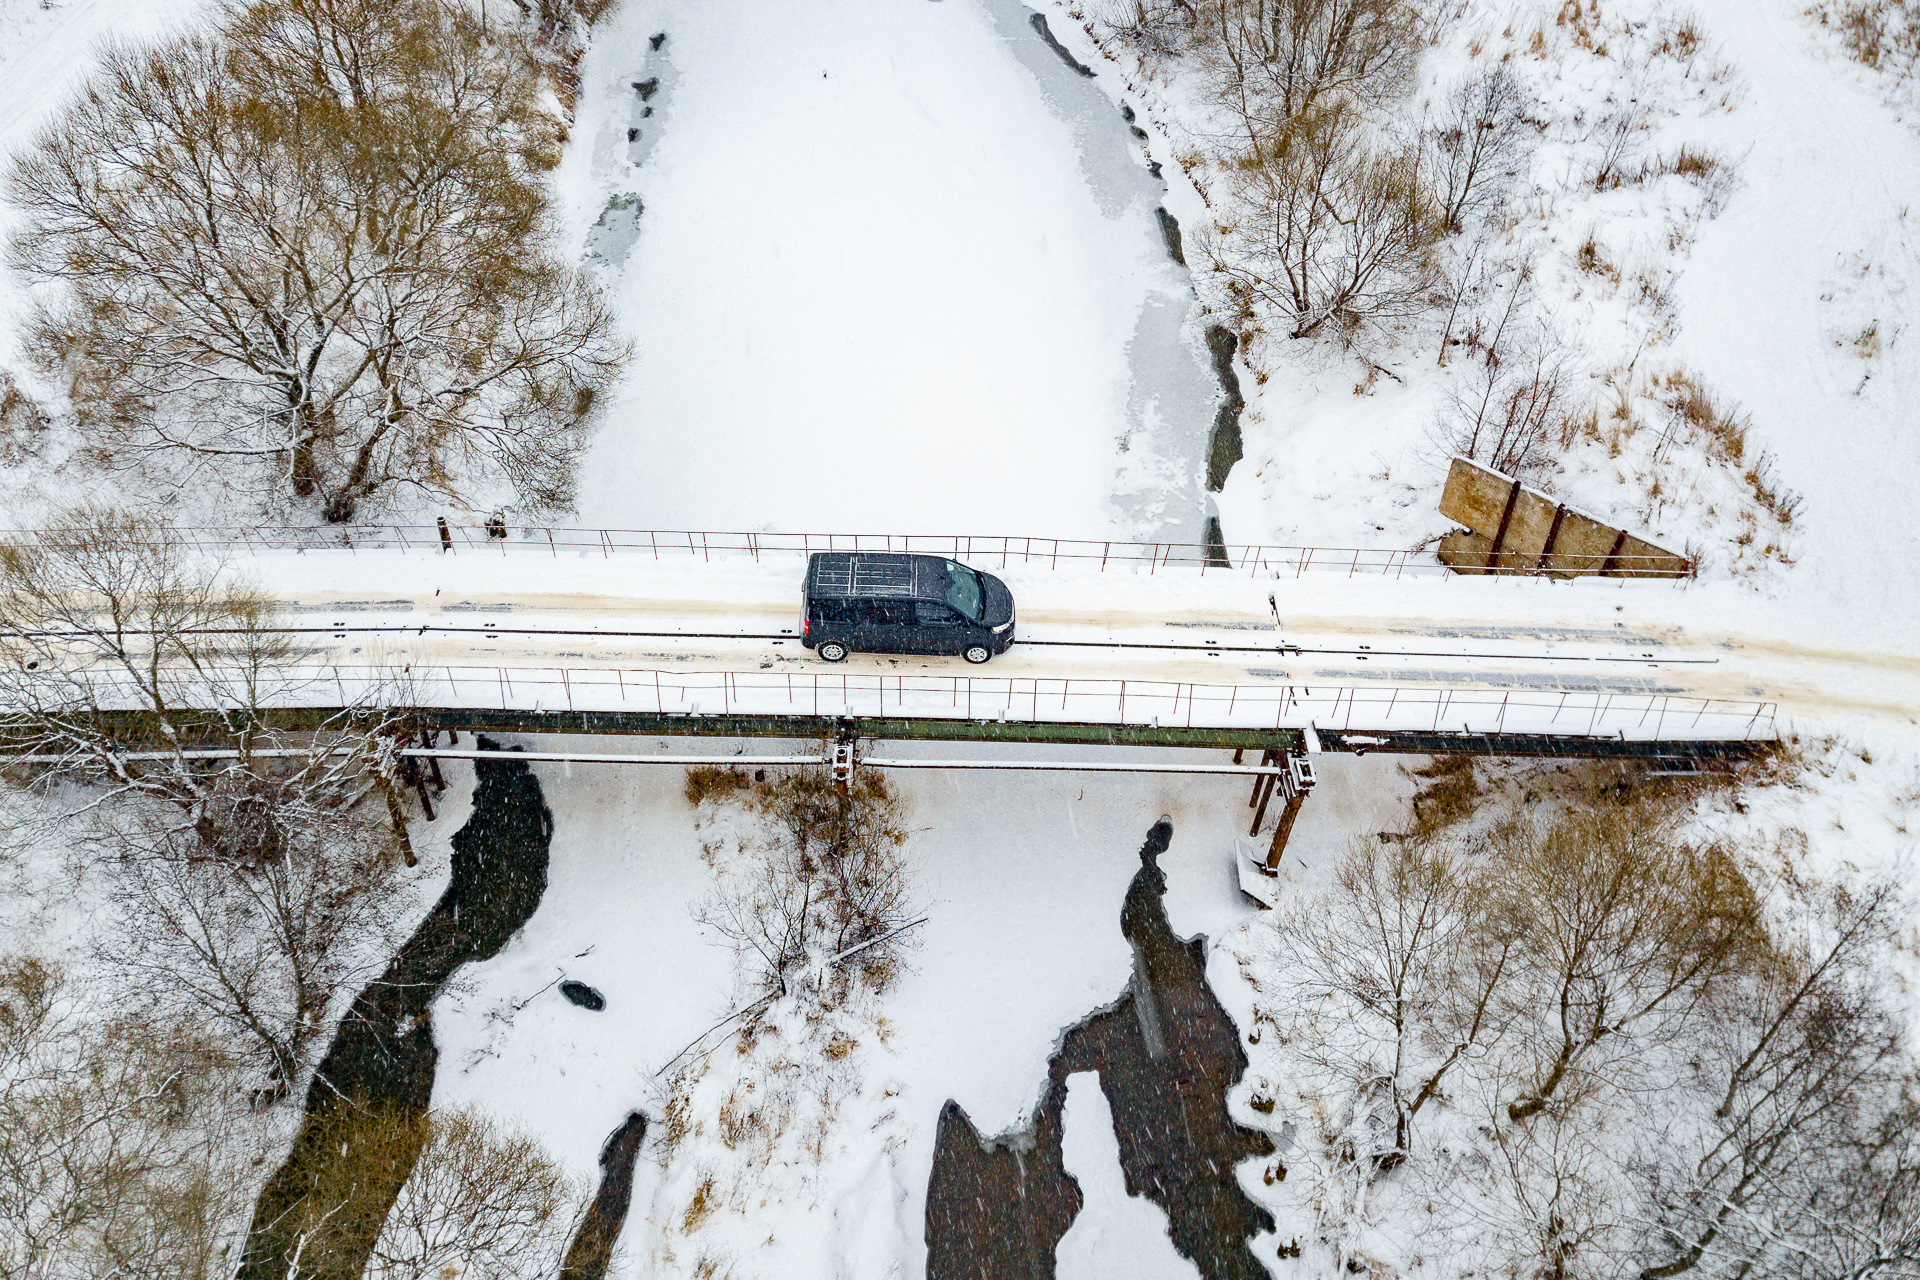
(806, 628)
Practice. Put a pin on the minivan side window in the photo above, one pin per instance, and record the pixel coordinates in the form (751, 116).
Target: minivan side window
(831, 610)
(931, 613)
(886, 613)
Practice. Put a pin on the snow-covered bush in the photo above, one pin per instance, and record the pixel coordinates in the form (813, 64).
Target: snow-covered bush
(816, 884)
(763, 1128)
(1884, 34)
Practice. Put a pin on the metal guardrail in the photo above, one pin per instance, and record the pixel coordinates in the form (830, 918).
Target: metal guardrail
(983, 552)
(827, 696)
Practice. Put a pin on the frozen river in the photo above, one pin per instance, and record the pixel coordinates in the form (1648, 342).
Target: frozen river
(890, 265)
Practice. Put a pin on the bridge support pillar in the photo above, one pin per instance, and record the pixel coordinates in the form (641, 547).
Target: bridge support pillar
(1284, 829)
(1293, 786)
(841, 756)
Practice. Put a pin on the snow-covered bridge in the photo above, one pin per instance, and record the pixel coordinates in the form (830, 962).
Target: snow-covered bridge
(650, 633)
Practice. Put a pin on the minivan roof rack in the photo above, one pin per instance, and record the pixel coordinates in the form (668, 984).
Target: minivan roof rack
(863, 573)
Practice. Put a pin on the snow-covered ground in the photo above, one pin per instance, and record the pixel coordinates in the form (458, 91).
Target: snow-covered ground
(1800, 299)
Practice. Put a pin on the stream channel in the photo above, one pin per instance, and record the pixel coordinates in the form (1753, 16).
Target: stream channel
(1166, 1053)
(382, 1059)
(996, 1208)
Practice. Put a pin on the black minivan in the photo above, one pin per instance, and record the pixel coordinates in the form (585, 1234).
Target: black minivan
(891, 602)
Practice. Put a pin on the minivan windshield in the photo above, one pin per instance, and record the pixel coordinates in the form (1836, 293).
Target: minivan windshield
(964, 590)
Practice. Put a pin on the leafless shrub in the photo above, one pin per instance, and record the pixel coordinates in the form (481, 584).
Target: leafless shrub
(116, 1158)
(1660, 1084)
(1778, 501)
(306, 253)
(1591, 257)
(1336, 229)
(1476, 143)
(1618, 138)
(1515, 413)
(1276, 63)
(824, 873)
(1154, 27)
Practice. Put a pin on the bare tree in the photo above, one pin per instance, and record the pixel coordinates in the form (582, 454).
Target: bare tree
(120, 647)
(1476, 144)
(308, 251)
(1277, 63)
(121, 651)
(481, 1203)
(115, 1155)
(1407, 956)
(1627, 927)
(249, 885)
(259, 938)
(1549, 1203)
(1809, 1165)
(1333, 228)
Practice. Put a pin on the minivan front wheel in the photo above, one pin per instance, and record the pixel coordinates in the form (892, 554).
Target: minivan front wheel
(976, 653)
(833, 651)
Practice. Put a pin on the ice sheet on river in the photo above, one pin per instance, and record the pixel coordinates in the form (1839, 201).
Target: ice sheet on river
(888, 266)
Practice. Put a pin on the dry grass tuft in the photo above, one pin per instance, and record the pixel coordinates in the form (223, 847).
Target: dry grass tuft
(706, 782)
(1721, 430)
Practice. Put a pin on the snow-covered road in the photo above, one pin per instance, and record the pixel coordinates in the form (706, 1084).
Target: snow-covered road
(692, 622)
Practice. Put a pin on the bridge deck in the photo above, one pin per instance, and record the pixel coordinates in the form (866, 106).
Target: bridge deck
(1130, 656)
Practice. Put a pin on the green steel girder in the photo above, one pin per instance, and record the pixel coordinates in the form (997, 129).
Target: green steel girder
(650, 724)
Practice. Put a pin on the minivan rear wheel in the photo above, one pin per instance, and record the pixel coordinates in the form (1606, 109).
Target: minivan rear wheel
(976, 653)
(833, 651)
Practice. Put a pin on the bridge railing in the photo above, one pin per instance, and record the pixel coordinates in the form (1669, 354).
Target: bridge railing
(1648, 715)
(996, 552)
